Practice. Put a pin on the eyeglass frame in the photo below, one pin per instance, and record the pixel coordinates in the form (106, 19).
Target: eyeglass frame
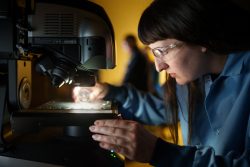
(164, 50)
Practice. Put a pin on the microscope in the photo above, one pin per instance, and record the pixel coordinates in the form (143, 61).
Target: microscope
(61, 42)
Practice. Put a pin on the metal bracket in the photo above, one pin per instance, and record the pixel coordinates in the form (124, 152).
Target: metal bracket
(3, 94)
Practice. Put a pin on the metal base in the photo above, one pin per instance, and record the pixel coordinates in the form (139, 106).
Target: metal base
(53, 148)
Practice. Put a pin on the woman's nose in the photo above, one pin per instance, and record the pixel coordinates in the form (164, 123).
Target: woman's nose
(160, 65)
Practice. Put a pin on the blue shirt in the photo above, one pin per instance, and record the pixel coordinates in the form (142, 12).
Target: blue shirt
(221, 126)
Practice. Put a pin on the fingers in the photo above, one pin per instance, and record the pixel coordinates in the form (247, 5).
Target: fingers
(110, 140)
(97, 92)
(117, 128)
(81, 94)
(111, 131)
(116, 144)
(115, 135)
(126, 137)
(117, 123)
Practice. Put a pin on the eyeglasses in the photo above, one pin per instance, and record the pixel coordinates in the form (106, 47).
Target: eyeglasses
(161, 52)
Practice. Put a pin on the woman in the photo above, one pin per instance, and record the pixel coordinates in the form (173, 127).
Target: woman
(203, 47)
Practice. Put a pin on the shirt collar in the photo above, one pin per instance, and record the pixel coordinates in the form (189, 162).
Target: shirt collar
(233, 65)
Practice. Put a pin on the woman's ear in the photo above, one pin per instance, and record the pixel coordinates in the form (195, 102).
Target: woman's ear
(203, 49)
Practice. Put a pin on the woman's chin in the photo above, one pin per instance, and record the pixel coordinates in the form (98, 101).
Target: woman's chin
(181, 82)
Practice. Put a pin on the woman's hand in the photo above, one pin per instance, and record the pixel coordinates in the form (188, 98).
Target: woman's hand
(128, 138)
(97, 92)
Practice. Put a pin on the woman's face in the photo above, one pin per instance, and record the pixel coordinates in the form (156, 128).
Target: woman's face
(181, 61)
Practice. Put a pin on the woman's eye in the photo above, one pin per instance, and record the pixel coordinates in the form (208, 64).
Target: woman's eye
(165, 52)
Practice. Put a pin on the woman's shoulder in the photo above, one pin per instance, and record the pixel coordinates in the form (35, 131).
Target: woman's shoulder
(245, 55)
(245, 58)
(237, 62)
